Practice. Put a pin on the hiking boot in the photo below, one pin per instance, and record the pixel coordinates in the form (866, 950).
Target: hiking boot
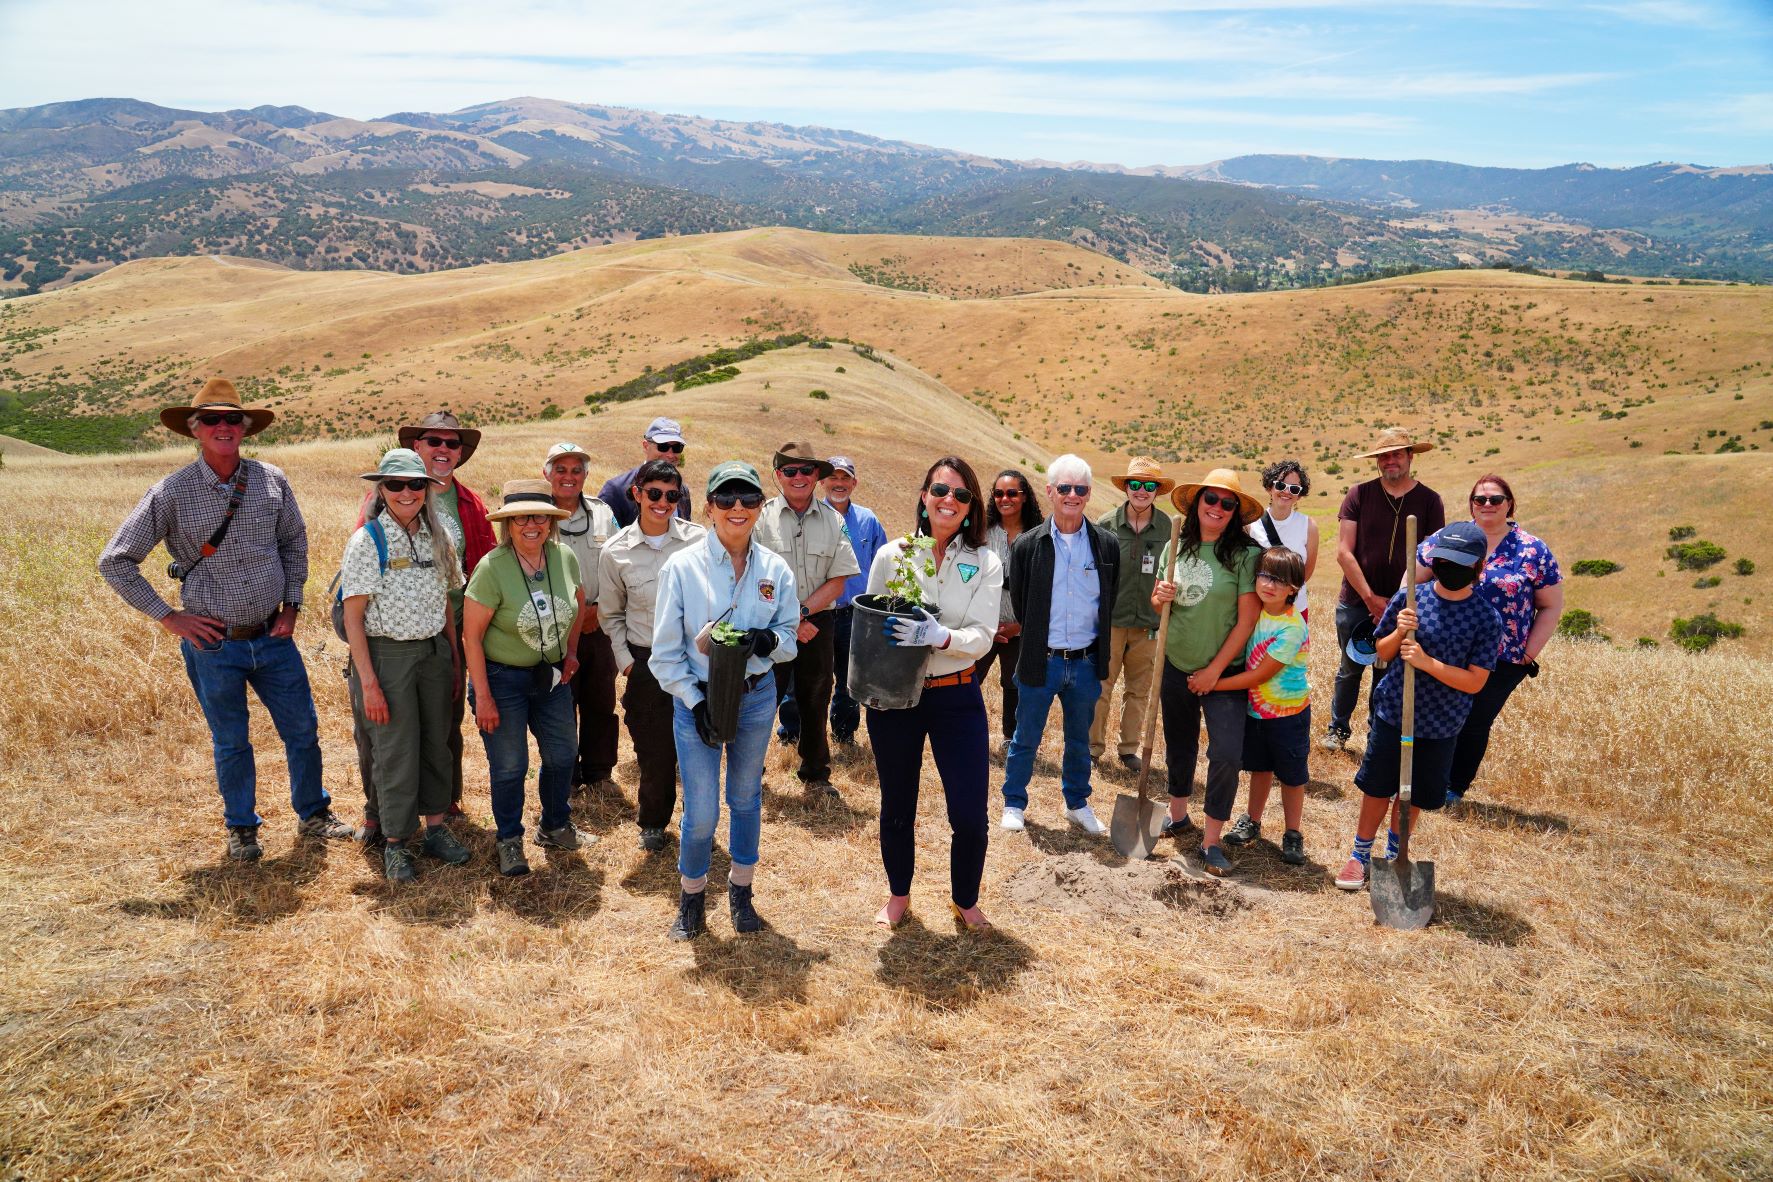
(652, 840)
(564, 838)
(370, 833)
(397, 864)
(324, 824)
(818, 788)
(1214, 859)
(1131, 763)
(243, 843)
(691, 918)
(511, 860)
(1335, 739)
(745, 917)
(1293, 848)
(1178, 829)
(441, 844)
(1353, 875)
(1243, 831)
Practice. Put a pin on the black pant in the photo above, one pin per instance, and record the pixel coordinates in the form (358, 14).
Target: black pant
(846, 714)
(646, 709)
(1224, 712)
(808, 678)
(952, 718)
(1005, 655)
(1474, 736)
(594, 696)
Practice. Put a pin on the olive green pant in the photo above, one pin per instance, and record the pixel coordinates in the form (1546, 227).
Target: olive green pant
(410, 755)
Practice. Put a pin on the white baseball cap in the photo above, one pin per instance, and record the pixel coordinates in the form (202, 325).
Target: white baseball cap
(663, 430)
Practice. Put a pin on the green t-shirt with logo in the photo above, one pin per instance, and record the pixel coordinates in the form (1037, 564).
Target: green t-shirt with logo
(452, 517)
(1205, 610)
(531, 617)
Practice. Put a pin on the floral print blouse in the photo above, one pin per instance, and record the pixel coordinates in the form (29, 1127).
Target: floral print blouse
(1519, 566)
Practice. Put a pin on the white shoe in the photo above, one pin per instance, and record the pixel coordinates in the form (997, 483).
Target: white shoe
(1012, 819)
(1084, 819)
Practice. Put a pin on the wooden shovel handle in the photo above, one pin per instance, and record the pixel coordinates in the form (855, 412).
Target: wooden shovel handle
(1157, 664)
(1406, 764)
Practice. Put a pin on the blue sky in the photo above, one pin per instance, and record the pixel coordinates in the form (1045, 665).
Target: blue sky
(1511, 82)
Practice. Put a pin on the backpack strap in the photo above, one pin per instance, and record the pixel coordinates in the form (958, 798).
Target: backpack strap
(1274, 538)
(380, 537)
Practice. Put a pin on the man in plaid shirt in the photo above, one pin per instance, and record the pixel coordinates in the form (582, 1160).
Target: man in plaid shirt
(239, 596)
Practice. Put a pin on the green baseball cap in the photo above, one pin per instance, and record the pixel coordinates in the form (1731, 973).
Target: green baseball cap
(399, 462)
(734, 472)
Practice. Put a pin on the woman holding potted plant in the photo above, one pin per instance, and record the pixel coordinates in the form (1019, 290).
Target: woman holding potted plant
(723, 590)
(945, 588)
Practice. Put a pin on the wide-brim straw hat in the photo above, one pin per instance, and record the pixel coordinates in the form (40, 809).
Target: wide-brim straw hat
(523, 497)
(401, 463)
(218, 394)
(1143, 468)
(1393, 438)
(799, 452)
(442, 420)
(1220, 478)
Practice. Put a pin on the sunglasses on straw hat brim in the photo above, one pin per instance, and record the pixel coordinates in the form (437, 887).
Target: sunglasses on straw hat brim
(1223, 480)
(1143, 470)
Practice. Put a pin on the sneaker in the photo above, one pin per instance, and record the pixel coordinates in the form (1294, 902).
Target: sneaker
(691, 916)
(1012, 819)
(397, 864)
(1243, 831)
(1085, 819)
(1353, 876)
(324, 824)
(511, 860)
(745, 917)
(441, 844)
(1214, 859)
(652, 840)
(370, 832)
(1178, 829)
(1131, 763)
(1334, 739)
(564, 838)
(1293, 848)
(823, 788)
(602, 786)
(243, 843)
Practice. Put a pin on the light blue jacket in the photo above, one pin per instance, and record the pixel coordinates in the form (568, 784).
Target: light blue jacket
(696, 587)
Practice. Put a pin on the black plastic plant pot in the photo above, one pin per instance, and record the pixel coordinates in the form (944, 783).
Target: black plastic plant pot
(726, 687)
(883, 675)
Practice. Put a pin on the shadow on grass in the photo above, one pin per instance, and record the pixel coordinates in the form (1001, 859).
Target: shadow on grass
(561, 888)
(601, 811)
(656, 873)
(824, 816)
(1502, 816)
(759, 968)
(1259, 866)
(244, 892)
(1069, 839)
(1483, 922)
(951, 971)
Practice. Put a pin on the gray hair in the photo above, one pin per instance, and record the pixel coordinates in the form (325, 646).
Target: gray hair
(1069, 469)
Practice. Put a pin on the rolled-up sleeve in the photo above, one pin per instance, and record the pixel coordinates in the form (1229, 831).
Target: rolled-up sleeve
(120, 562)
(786, 622)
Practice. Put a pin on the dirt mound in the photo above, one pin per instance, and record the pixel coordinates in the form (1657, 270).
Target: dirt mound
(1081, 884)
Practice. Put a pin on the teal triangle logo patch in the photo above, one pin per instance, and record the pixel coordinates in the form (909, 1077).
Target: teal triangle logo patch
(967, 571)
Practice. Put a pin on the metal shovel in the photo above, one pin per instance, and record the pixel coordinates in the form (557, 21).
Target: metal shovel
(1138, 822)
(1402, 891)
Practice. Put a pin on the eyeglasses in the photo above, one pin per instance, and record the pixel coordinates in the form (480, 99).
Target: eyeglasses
(675, 449)
(750, 500)
(532, 518)
(418, 485)
(1141, 486)
(961, 495)
(440, 441)
(233, 418)
(1265, 577)
(1066, 490)
(799, 470)
(1282, 486)
(1488, 499)
(1006, 494)
(669, 495)
(1226, 500)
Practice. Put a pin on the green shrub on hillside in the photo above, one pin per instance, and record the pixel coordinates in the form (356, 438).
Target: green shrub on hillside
(1696, 555)
(1678, 533)
(1745, 566)
(1702, 631)
(1580, 624)
(725, 373)
(1597, 567)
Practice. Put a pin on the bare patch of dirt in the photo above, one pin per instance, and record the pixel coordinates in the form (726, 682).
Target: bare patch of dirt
(1080, 884)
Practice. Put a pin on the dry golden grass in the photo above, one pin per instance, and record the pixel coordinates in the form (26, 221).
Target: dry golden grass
(1594, 1000)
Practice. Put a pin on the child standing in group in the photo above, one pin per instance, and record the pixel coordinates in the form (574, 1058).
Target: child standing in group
(1455, 641)
(1277, 736)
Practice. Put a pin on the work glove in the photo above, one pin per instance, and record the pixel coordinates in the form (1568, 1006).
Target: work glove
(762, 641)
(910, 633)
(704, 724)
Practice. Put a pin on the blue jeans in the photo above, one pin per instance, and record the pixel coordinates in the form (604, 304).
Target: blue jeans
(1075, 684)
(699, 764)
(523, 712)
(273, 667)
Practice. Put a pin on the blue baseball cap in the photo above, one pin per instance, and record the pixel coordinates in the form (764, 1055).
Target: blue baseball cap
(1462, 542)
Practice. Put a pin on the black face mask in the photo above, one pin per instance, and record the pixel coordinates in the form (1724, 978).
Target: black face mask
(1452, 575)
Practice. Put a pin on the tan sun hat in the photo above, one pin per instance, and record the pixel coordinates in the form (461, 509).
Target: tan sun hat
(1223, 478)
(1393, 438)
(1143, 468)
(523, 497)
(219, 395)
(442, 420)
(799, 452)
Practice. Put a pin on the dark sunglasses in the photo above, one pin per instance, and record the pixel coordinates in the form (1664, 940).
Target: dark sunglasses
(233, 418)
(1141, 486)
(419, 485)
(750, 500)
(961, 495)
(440, 441)
(1283, 486)
(1223, 499)
(799, 470)
(675, 449)
(1006, 494)
(1065, 490)
(669, 495)
(1488, 499)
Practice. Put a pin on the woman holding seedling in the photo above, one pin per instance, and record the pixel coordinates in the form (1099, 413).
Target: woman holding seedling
(951, 585)
(723, 589)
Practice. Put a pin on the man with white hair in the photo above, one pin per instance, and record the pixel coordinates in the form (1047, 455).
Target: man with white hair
(1063, 577)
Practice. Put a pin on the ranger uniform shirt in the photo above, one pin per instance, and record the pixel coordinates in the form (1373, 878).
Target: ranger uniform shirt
(965, 594)
(812, 543)
(628, 583)
(697, 587)
(586, 533)
(1138, 565)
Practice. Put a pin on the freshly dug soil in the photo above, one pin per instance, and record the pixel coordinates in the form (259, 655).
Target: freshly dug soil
(1079, 883)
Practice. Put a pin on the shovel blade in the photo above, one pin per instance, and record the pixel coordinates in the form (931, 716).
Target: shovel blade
(1135, 826)
(1402, 894)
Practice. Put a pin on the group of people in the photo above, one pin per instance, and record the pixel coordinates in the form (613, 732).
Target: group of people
(529, 614)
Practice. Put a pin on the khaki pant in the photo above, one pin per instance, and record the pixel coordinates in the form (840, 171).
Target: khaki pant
(1131, 649)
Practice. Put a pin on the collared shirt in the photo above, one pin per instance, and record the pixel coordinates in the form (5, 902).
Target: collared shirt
(1512, 575)
(866, 536)
(813, 543)
(628, 582)
(262, 563)
(998, 539)
(1138, 564)
(965, 594)
(614, 494)
(407, 601)
(1077, 591)
(697, 588)
(586, 532)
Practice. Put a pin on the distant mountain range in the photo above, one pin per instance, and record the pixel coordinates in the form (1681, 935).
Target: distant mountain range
(84, 185)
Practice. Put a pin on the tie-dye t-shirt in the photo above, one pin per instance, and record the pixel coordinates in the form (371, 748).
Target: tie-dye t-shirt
(1287, 640)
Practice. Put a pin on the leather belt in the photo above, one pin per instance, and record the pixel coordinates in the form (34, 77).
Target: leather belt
(1074, 654)
(960, 677)
(757, 679)
(247, 631)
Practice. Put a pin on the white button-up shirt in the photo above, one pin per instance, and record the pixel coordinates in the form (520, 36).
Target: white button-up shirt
(965, 595)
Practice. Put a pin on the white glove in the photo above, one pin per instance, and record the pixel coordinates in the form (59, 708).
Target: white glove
(909, 633)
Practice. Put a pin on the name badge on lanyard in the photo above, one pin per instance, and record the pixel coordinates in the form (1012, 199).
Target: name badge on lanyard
(1148, 564)
(544, 605)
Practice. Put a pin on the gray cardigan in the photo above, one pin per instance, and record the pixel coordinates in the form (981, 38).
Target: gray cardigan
(1030, 580)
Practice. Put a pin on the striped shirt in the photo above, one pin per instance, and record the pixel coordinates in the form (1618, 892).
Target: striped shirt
(262, 564)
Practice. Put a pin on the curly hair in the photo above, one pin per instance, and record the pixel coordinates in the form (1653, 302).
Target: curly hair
(1280, 468)
(1031, 514)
